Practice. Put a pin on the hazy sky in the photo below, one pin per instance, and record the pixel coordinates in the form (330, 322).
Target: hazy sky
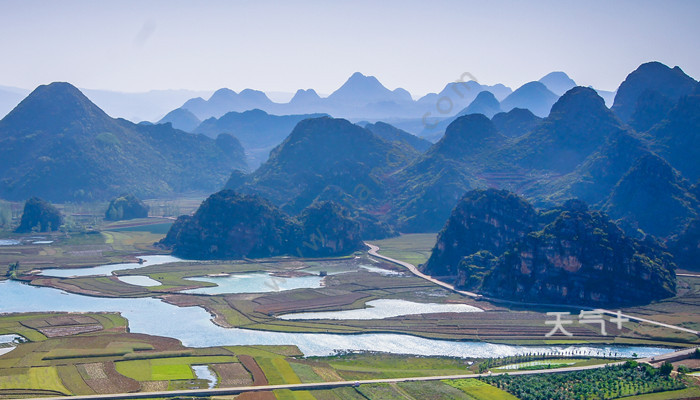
(283, 46)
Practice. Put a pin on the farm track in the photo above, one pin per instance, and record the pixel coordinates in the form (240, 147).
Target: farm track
(373, 251)
(333, 385)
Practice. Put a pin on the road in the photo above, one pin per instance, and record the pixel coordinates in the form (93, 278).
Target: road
(332, 385)
(373, 251)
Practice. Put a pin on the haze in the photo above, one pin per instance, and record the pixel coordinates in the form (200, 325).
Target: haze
(277, 46)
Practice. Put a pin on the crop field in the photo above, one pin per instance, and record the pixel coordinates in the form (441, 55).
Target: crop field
(479, 390)
(520, 325)
(414, 248)
(378, 366)
(110, 360)
(105, 359)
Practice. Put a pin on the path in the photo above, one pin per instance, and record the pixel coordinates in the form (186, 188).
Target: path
(333, 385)
(373, 252)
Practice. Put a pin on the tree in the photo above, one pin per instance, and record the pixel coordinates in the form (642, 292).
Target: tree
(666, 368)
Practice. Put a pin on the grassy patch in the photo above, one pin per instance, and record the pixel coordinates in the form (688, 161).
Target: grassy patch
(434, 390)
(44, 378)
(690, 393)
(413, 248)
(381, 391)
(286, 394)
(376, 366)
(480, 390)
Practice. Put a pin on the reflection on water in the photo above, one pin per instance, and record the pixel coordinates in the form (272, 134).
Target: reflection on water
(385, 308)
(205, 373)
(139, 280)
(104, 270)
(193, 326)
(254, 282)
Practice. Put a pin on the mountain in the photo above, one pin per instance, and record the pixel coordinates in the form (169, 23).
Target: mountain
(305, 100)
(433, 183)
(594, 179)
(143, 106)
(578, 124)
(677, 137)
(436, 111)
(515, 122)
(608, 96)
(39, 216)
(393, 134)
(9, 98)
(652, 76)
(124, 207)
(533, 96)
(229, 225)
(652, 107)
(182, 119)
(322, 152)
(471, 228)
(226, 100)
(459, 94)
(653, 197)
(362, 90)
(327, 230)
(57, 135)
(686, 246)
(257, 130)
(499, 246)
(484, 103)
(558, 82)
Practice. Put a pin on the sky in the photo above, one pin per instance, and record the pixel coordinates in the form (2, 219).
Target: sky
(135, 46)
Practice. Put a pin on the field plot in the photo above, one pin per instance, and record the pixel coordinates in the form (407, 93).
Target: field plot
(379, 366)
(75, 250)
(65, 358)
(413, 248)
(478, 390)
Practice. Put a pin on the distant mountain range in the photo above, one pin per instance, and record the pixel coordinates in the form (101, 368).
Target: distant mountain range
(636, 160)
(258, 131)
(363, 97)
(135, 107)
(60, 146)
(581, 149)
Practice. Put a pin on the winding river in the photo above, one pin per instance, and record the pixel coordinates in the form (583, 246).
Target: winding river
(193, 326)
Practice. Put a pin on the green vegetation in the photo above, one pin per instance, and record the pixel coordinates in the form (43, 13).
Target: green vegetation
(500, 246)
(608, 382)
(39, 216)
(413, 248)
(221, 229)
(60, 146)
(378, 365)
(39, 378)
(479, 390)
(126, 207)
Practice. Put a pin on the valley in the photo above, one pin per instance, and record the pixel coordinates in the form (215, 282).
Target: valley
(349, 201)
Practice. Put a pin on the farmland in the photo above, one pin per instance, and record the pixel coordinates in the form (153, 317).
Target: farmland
(341, 291)
(94, 353)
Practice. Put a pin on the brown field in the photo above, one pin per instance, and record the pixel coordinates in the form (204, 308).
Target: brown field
(233, 374)
(256, 396)
(252, 366)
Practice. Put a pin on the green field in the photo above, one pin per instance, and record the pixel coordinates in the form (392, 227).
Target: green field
(414, 248)
(479, 390)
